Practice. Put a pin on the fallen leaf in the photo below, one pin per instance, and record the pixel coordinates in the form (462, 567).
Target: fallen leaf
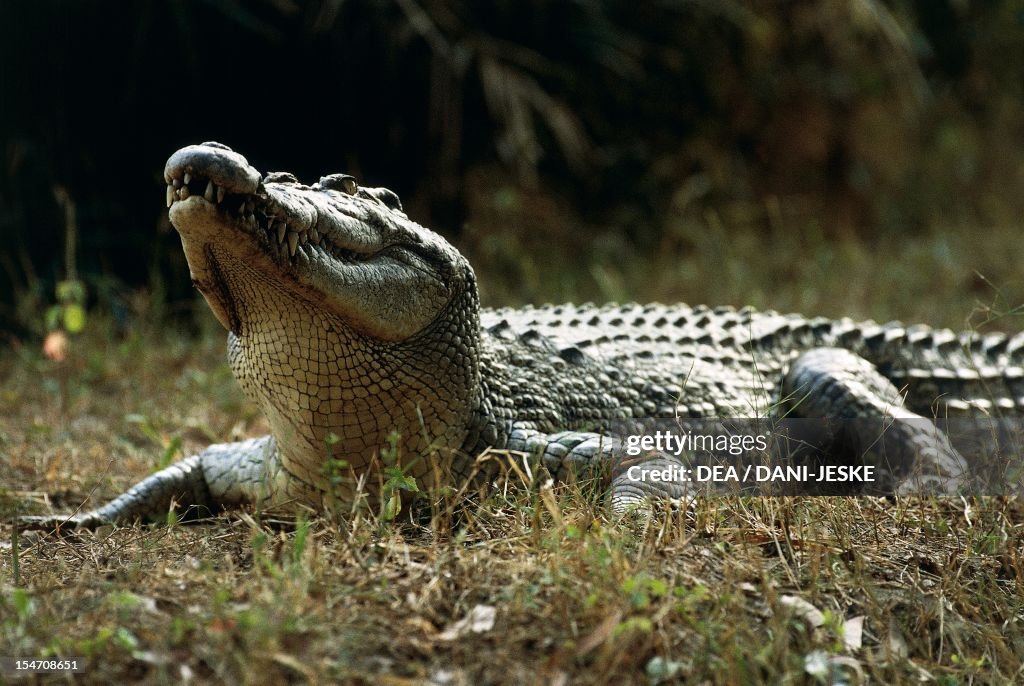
(803, 609)
(479, 620)
(853, 633)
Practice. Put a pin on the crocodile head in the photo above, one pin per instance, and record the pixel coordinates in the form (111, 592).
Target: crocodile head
(347, 321)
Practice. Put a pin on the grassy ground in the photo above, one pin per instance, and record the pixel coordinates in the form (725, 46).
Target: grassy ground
(534, 585)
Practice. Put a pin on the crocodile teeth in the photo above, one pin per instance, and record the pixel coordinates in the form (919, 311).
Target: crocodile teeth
(208, 194)
(188, 178)
(220, 194)
(314, 236)
(184, 192)
(170, 195)
(282, 229)
(293, 242)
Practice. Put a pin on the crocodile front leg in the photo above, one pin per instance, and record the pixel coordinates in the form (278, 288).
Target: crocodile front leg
(222, 475)
(568, 454)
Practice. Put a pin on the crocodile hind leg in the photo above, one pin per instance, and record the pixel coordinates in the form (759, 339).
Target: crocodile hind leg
(224, 474)
(864, 418)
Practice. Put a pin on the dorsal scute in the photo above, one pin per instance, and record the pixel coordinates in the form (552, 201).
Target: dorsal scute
(502, 330)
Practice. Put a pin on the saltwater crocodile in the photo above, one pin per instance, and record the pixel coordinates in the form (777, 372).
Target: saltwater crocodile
(358, 331)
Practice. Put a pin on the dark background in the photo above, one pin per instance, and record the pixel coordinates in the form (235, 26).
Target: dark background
(603, 118)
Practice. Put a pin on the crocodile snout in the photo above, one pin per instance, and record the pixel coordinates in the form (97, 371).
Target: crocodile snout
(210, 169)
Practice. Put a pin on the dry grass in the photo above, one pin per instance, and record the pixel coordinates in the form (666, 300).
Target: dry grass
(736, 590)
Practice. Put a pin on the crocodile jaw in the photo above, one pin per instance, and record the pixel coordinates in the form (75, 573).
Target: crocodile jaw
(343, 251)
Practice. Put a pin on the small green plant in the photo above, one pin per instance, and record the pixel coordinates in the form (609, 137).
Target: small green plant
(396, 479)
(335, 468)
(170, 446)
(24, 607)
(67, 316)
(299, 543)
(69, 312)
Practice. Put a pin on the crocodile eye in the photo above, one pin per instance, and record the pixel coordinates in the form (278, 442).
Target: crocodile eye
(280, 177)
(339, 182)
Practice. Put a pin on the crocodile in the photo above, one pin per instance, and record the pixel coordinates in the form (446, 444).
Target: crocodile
(359, 334)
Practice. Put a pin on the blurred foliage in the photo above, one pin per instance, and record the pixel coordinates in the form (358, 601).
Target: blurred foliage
(68, 314)
(862, 117)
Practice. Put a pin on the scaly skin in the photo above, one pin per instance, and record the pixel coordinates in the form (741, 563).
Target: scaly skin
(347, 322)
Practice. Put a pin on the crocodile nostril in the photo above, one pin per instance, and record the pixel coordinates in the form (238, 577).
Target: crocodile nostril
(280, 177)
